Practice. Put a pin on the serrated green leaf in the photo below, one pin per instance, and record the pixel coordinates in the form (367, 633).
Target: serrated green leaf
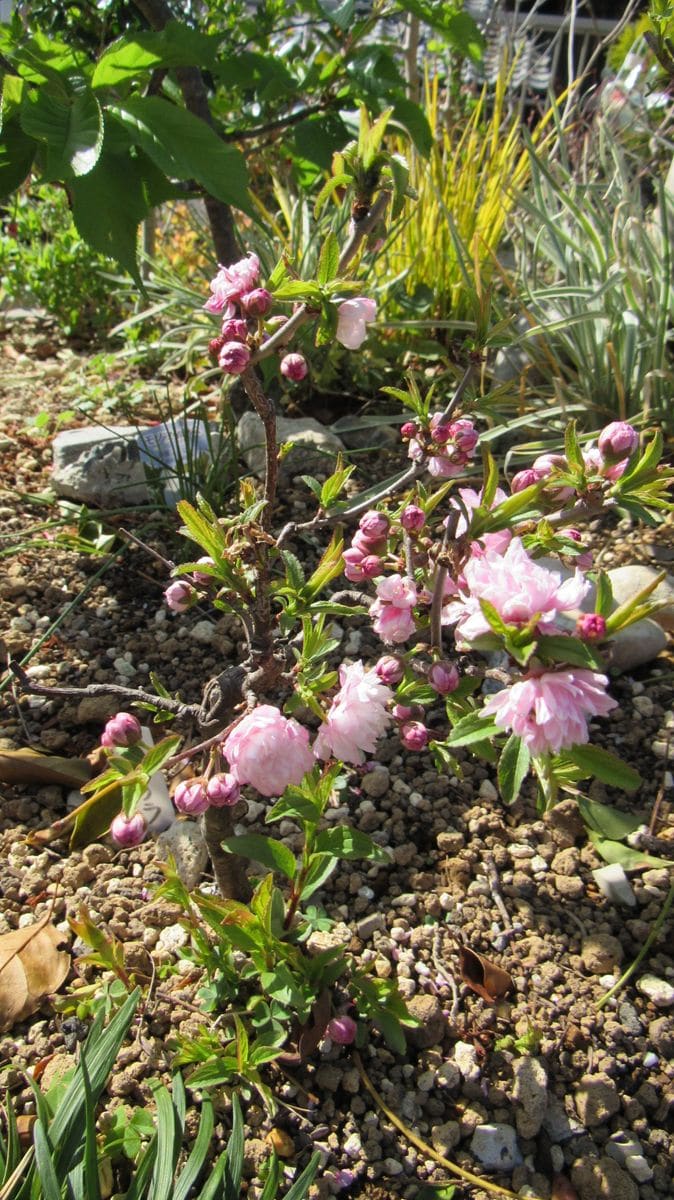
(604, 766)
(320, 868)
(572, 450)
(268, 851)
(513, 768)
(294, 808)
(157, 756)
(72, 129)
(336, 181)
(347, 843)
(471, 729)
(328, 259)
(563, 649)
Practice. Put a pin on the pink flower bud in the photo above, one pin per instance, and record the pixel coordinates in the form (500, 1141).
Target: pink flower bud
(442, 432)
(371, 566)
(234, 358)
(367, 545)
(464, 435)
(618, 440)
(374, 525)
(294, 367)
(591, 627)
(215, 346)
(342, 1030)
(545, 464)
(390, 669)
(122, 730)
(128, 831)
(402, 712)
(413, 518)
(180, 596)
(257, 303)
(408, 429)
(414, 735)
(524, 479)
(190, 797)
(223, 791)
(201, 576)
(444, 678)
(234, 330)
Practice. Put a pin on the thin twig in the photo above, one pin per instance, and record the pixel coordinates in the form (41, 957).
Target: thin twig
(136, 695)
(445, 973)
(495, 889)
(166, 562)
(642, 953)
(657, 804)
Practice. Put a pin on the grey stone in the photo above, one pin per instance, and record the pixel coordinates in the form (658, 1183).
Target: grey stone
(173, 938)
(602, 1179)
(658, 991)
(614, 884)
(446, 1136)
(314, 446)
(629, 1019)
(376, 783)
(185, 842)
(639, 644)
(495, 1147)
(661, 1036)
(638, 1168)
(465, 1057)
(363, 433)
(627, 581)
(622, 1145)
(557, 1123)
(530, 1092)
(432, 1022)
(597, 1100)
(369, 925)
(601, 953)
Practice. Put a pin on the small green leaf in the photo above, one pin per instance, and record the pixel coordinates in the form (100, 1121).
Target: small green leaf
(348, 843)
(472, 728)
(629, 859)
(294, 808)
(157, 756)
(513, 768)
(607, 767)
(572, 450)
(264, 850)
(607, 821)
(565, 649)
(320, 868)
(604, 597)
(328, 261)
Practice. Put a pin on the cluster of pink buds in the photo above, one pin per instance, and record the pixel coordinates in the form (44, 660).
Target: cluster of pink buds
(237, 296)
(193, 796)
(362, 559)
(616, 444)
(446, 447)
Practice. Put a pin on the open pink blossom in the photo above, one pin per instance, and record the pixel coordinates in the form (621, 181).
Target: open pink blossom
(231, 283)
(549, 712)
(469, 501)
(268, 751)
(353, 315)
(399, 590)
(517, 587)
(391, 623)
(357, 716)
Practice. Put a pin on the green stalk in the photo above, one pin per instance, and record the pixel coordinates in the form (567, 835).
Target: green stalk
(642, 953)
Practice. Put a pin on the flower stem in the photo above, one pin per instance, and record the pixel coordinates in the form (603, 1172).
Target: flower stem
(642, 953)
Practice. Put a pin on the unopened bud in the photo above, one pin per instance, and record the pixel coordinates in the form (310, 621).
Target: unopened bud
(223, 791)
(294, 367)
(413, 518)
(390, 669)
(414, 735)
(257, 303)
(180, 596)
(122, 730)
(591, 627)
(342, 1030)
(234, 358)
(443, 678)
(128, 831)
(190, 797)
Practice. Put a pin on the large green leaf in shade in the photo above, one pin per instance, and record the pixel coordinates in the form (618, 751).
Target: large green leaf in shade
(71, 129)
(17, 152)
(108, 205)
(184, 147)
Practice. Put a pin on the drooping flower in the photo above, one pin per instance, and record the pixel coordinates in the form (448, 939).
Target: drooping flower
(342, 1030)
(121, 730)
(358, 566)
(268, 751)
(357, 716)
(412, 518)
(517, 587)
(180, 596)
(353, 315)
(549, 712)
(128, 831)
(231, 283)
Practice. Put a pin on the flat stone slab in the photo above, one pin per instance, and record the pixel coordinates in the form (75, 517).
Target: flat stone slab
(314, 447)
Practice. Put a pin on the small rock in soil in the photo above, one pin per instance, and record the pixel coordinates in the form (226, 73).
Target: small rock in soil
(597, 1100)
(602, 1179)
(185, 841)
(658, 991)
(495, 1147)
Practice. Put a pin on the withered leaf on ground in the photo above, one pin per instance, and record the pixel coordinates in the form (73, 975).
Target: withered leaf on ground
(33, 963)
(483, 976)
(33, 766)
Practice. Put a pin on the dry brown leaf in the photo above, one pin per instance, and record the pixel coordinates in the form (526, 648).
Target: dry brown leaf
(33, 963)
(33, 766)
(281, 1143)
(483, 976)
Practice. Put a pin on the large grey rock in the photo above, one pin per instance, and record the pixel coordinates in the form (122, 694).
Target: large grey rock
(314, 446)
(628, 581)
(365, 433)
(108, 466)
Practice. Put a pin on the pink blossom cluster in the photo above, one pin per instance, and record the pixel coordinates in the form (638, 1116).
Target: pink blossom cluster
(362, 558)
(616, 443)
(447, 447)
(549, 710)
(238, 298)
(518, 588)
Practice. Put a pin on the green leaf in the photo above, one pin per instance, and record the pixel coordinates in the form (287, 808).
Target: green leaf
(108, 205)
(604, 595)
(513, 768)
(317, 137)
(157, 756)
(348, 843)
(414, 120)
(294, 808)
(72, 130)
(607, 821)
(17, 152)
(572, 450)
(177, 45)
(320, 868)
(264, 850)
(629, 859)
(472, 728)
(44, 1164)
(300, 1188)
(169, 1135)
(594, 760)
(328, 261)
(336, 181)
(563, 649)
(391, 1029)
(493, 618)
(184, 147)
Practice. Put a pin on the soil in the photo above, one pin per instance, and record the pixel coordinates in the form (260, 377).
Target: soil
(507, 883)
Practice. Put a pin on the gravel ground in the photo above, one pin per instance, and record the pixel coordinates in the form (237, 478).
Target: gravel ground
(585, 1103)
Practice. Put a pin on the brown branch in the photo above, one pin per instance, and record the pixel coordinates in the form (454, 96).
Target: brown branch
(243, 135)
(134, 695)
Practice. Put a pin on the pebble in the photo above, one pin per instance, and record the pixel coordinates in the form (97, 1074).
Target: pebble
(204, 632)
(376, 783)
(614, 884)
(602, 1179)
(446, 1137)
(601, 953)
(185, 841)
(369, 925)
(173, 938)
(530, 1091)
(597, 1100)
(465, 1057)
(658, 991)
(495, 1147)
(629, 1019)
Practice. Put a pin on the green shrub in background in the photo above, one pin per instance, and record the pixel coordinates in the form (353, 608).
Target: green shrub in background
(45, 263)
